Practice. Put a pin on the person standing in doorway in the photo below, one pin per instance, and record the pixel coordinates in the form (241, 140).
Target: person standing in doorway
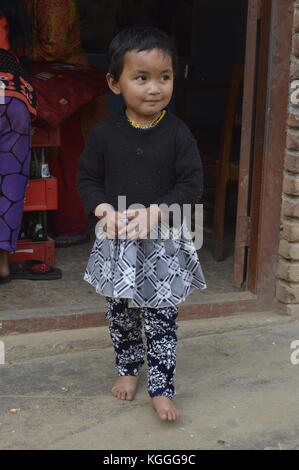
(149, 156)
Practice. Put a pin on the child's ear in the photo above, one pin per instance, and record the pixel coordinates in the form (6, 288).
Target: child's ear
(112, 83)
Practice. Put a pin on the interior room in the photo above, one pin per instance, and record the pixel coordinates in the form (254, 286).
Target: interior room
(210, 38)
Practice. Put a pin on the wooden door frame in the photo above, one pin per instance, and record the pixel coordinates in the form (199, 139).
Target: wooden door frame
(267, 182)
(266, 223)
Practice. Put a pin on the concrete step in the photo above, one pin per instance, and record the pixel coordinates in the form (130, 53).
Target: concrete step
(28, 346)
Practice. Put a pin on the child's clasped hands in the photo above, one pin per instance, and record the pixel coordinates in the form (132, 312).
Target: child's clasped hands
(132, 224)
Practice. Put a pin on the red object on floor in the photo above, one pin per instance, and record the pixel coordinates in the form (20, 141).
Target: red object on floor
(70, 218)
(40, 268)
(27, 249)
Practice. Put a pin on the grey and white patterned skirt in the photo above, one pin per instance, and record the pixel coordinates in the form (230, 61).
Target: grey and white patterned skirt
(149, 272)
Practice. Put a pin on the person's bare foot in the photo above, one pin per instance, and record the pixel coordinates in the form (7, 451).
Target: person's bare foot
(125, 387)
(165, 408)
(4, 266)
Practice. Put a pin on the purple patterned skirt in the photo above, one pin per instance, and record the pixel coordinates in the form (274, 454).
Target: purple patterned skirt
(15, 155)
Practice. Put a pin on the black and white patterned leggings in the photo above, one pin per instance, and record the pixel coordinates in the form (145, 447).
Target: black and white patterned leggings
(160, 325)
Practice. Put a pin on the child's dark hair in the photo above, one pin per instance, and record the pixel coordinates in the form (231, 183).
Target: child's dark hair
(19, 21)
(140, 38)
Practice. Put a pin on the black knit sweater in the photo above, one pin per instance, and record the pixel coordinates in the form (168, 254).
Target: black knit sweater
(158, 165)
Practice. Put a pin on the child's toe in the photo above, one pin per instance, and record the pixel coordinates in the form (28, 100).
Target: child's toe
(163, 415)
(129, 396)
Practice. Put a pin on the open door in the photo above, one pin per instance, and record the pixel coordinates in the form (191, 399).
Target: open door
(253, 118)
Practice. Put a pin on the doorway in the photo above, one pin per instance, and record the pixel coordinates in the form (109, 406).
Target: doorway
(204, 57)
(244, 280)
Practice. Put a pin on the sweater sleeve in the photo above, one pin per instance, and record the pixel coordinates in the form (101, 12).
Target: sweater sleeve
(91, 172)
(188, 186)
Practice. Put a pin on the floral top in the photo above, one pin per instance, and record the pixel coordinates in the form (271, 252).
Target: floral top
(14, 81)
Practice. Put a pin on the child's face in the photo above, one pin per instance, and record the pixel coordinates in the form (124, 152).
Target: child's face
(146, 83)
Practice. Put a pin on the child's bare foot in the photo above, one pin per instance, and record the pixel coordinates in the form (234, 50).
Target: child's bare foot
(125, 387)
(165, 408)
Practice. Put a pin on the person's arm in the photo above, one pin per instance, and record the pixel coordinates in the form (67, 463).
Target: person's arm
(91, 174)
(4, 32)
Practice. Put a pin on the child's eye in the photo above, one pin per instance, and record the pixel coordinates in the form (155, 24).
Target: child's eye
(143, 77)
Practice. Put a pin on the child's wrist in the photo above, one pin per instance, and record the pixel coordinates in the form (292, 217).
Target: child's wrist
(102, 209)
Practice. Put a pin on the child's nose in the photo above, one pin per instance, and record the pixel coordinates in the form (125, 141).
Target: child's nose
(154, 87)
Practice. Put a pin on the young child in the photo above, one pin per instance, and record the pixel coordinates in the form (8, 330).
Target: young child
(148, 155)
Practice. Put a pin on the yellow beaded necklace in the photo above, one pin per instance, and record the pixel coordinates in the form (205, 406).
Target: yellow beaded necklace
(150, 124)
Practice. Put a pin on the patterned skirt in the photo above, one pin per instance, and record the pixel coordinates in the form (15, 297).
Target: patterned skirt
(153, 273)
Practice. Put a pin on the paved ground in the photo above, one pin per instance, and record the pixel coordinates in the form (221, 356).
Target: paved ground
(236, 389)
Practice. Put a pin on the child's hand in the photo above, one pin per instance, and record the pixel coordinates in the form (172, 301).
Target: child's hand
(141, 222)
(111, 220)
(113, 224)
